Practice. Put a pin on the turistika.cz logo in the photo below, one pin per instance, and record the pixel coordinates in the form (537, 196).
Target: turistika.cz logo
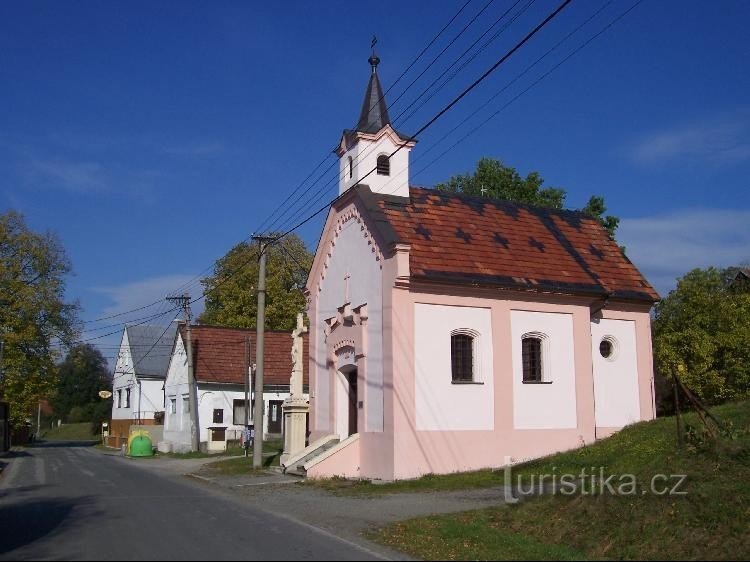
(590, 481)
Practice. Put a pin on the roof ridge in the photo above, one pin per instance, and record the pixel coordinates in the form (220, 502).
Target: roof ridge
(465, 196)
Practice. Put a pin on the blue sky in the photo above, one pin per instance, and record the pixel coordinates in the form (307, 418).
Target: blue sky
(152, 136)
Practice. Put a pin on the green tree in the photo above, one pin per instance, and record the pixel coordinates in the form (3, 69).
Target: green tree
(231, 298)
(82, 374)
(33, 314)
(495, 180)
(702, 333)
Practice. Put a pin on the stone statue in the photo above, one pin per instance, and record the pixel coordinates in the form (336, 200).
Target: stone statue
(295, 384)
(296, 406)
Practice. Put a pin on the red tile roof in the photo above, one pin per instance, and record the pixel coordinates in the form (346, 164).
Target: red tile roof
(463, 239)
(219, 355)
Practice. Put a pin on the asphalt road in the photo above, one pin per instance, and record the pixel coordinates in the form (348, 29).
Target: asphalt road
(66, 502)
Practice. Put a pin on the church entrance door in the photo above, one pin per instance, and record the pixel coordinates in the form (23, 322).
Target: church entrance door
(352, 379)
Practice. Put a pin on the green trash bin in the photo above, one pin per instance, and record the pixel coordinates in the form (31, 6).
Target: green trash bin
(141, 446)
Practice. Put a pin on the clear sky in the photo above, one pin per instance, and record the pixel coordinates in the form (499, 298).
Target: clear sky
(152, 136)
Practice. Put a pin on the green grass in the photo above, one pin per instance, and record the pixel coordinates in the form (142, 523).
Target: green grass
(710, 521)
(70, 432)
(230, 452)
(239, 465)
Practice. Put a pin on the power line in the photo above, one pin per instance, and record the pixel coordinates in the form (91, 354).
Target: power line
(533, 84)
(390, 106)
(449, 106)
(205, 270)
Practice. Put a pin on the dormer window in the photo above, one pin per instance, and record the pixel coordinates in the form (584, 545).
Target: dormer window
(351, 168)
(384, 165)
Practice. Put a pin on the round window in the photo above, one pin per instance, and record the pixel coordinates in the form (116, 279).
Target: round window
(606, 349)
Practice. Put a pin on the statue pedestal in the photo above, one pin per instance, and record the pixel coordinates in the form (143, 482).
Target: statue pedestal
(295, 426)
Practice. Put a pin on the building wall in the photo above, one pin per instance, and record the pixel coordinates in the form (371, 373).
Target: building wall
(552, 404)
(442, 405)
(347, 241)
(210, 397)
(146, 395)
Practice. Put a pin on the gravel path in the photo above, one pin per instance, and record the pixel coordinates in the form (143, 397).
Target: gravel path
(347, 516)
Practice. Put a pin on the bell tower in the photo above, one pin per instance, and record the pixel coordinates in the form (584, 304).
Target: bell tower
(365, 152)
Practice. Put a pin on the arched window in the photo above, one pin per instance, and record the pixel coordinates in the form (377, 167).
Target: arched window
(384, 165)
(351, 168)
(462, 357)
(531, 354)
(608, 348)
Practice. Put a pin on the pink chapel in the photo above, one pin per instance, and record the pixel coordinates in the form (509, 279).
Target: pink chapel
(452, 333)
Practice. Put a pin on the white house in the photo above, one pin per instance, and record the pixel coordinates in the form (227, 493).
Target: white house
(137, 386)
(219, 364)
(452, 333)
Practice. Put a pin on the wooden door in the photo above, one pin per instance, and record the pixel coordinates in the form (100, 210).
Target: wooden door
(275, 416)
(353, 402)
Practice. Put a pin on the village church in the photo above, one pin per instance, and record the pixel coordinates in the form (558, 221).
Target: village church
(452, 333)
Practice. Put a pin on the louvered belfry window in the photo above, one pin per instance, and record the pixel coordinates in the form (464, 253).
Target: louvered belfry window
(462, 357)
(383, 166)
(531, 353)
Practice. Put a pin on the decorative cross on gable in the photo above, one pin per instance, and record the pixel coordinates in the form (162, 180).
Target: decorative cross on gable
(347, 276)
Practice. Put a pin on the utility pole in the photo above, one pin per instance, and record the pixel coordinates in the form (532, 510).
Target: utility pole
(260, 327)
(184, 302)
(247, 388)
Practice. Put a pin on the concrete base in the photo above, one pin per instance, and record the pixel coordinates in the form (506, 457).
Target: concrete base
(295, 426)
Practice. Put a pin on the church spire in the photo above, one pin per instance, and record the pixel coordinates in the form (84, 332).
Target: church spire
(374, 114)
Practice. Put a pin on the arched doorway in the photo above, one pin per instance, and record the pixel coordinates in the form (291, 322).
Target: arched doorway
(350, 375)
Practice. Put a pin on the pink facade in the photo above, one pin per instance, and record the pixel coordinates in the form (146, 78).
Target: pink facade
(401, 449)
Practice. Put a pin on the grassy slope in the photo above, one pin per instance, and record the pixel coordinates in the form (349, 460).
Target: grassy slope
(70, 432)
(710, 521)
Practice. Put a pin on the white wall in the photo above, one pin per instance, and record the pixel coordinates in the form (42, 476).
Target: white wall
(442, 405)
(123, 379)
(352, 254)
(365, 156)
(615, 379)
(175, 387)
(210, 397)
(146, 396)
(545, 406)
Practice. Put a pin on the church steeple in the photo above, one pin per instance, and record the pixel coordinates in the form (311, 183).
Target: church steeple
(374, 152)
(374, 114)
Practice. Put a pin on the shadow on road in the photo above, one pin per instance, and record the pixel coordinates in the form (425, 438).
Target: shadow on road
(66, 444)
(24, 523)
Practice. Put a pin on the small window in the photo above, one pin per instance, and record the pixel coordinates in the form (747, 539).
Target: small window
(127, 398)
(531, 353)
(218, 415)
(119, 398)
(185, 404)
(462, 357)
(351, 168)
(384, 165)
(173, 405)
(608, 348)
(239, 412)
